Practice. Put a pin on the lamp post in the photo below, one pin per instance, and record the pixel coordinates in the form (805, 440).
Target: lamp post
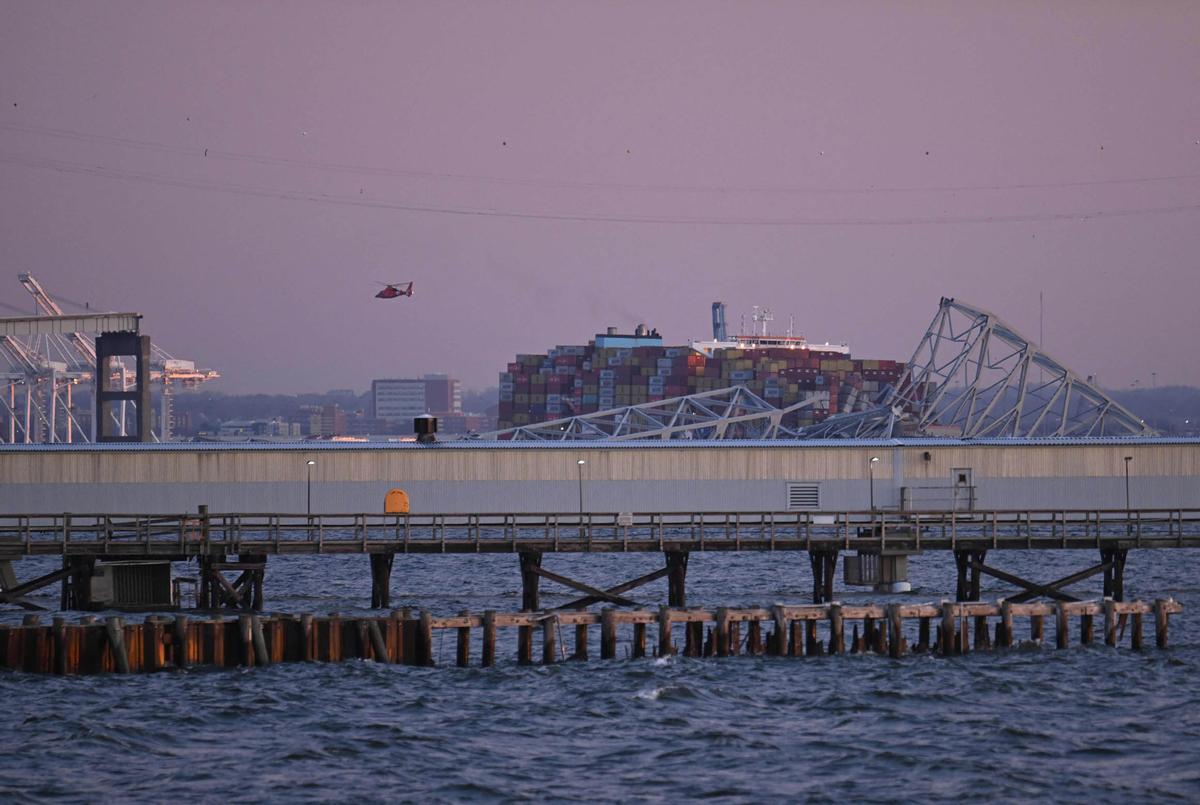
(1128, 527)
(308, 497)
(580, 464)
(871, 470)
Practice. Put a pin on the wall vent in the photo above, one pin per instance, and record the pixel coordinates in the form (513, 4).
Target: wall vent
(803, 496)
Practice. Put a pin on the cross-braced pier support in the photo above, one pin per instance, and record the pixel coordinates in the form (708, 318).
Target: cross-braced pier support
(971, 567)
(532, 572)
(244, 592)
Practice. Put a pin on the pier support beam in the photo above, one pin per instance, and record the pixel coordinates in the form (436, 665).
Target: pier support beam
(677, 562)
(967, 588)
(77, 587)
(531, 569)
(824, 566)
(1113, 560)
(245, 592)
(381, 580)
(531, 563)
(1033, 589)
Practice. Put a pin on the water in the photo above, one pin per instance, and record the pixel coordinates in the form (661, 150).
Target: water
(1083, 725)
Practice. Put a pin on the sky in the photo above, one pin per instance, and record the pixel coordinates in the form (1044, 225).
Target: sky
(244, 174)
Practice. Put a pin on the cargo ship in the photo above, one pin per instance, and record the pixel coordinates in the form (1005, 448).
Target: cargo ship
(615, 370)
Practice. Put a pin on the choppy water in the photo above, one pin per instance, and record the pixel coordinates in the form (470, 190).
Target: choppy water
(1083, 725)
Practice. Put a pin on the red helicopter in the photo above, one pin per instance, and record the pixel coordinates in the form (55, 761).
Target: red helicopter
(393, 289)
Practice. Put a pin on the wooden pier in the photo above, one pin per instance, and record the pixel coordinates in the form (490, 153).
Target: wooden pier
(241, 543)
(947, 628)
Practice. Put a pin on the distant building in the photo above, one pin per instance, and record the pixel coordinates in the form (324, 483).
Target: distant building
(401, 399)
(333, 420)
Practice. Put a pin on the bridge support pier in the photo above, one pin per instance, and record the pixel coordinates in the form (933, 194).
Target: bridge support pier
(824, 566)
(381, 580)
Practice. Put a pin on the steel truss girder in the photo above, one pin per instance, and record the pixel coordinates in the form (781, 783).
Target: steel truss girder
(734, 412)
(975, 376)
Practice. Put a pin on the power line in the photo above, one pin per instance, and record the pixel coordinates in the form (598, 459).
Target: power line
(235, 156)
(102, 171)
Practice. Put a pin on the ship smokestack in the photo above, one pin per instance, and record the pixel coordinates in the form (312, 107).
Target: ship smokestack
(718, 321)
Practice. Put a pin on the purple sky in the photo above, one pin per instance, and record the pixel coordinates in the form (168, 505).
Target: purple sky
(844, 163)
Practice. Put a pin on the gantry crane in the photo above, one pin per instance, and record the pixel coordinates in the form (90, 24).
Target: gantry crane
(50, 365)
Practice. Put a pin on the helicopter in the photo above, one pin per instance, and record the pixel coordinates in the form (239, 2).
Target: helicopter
(393, 289)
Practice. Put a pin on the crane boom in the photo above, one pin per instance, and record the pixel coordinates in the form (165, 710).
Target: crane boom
(49, 307)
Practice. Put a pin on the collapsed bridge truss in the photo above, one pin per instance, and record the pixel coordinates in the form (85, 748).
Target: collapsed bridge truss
(972, 376)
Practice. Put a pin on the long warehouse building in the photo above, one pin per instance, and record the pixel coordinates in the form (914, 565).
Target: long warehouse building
(668, 476)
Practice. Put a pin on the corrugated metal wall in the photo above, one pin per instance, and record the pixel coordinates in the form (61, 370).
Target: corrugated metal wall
(712, 478)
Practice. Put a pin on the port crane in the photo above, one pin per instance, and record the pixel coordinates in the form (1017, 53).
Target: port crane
(46, 366)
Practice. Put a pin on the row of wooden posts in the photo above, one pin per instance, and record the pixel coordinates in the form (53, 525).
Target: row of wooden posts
(159, 643)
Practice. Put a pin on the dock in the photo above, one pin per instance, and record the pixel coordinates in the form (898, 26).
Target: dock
(242, 543)
(947, 629)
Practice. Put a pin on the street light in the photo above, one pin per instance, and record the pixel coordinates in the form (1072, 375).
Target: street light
(1127, 524)
(580, 464)
(871, 470)
(311, 462)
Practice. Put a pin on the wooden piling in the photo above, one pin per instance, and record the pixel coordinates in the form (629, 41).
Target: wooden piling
(779, 646)
(307, 653)
(608, 634)
(115, 628)
(1110, 622)
(378, 645)
(462, 655)
(754, 637)
(895, 634)
(59, 628)
(488, 656)
(261, 657)
(181, 642)
(393, 629)
(837, 629)
(1160, 623)
(665, 647)
(408, 640)
(795, 639)
(722, 632)
(1135, 637)
(639, 640)
(247, 640)
(1037, 628)
(1006, 625)
(923, 635)
(693, 639)
(549, 636)
(812, 646)
(1086, 629)
(581, 642)
(1061, 636)
(949, 637)
(425, 639)
(153, 645)
(733, 638)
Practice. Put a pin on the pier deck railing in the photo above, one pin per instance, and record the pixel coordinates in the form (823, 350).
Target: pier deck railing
(206, 534)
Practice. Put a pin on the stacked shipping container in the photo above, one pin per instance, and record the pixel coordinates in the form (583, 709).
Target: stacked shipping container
(571, 380)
